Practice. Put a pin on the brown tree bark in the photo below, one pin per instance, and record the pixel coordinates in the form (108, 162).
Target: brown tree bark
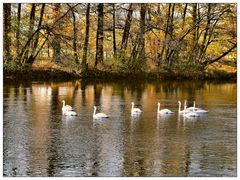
(203, 46)
(74, 35)
(99, 38)
(85, 47)
(7, 31)
(138, 52)
(127, 28)
(192, 57)
(33, 56)
(114, 33)
(56, 40)
(184, 15)
(18, 28)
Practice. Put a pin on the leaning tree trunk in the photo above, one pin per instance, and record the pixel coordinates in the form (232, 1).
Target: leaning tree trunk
(30, 31)
(184, 15)
(85, 47)
(165, 42)
(99, 38)
(203, 46)
(127, 28)
(7, 31)
(35, 44)
(138, 52)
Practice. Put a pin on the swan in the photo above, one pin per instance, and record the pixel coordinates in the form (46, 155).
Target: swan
(194, 108)
(69, 113)
(163, 111)
(66, 107)
(189, 114)
(179, 108)
(135, 110)
(98, 115)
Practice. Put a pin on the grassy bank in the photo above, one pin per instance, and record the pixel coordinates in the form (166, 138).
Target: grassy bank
(51, 73)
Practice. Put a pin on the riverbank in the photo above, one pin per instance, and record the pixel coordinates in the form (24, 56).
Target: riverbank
(50, 74)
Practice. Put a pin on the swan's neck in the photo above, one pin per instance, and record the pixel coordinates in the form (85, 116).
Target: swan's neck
(179, 107)
(132, 105)
(158, 107)
(94, 112)
(63, 103)
(194, 105)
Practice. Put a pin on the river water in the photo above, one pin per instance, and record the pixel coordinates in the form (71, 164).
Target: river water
(39, 141)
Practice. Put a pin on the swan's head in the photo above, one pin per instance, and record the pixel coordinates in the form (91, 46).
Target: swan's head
(94, 107)
(179, 102)
(158, 103)
(63, 101)
(132, 103)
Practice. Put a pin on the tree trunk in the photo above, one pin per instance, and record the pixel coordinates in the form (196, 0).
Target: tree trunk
(165, 42)
(114, 33)
(85, 48)
(192, 57)
(127, 28)
(99, 38)
(170, 37)
(30, 31)
(203, 46)
(142, 32)
(75, 38)
(39, 25)
(206, 63)
(7, 31)
(56, 40)
(138, 52)
(184, 15)
(18, 28)
(34, 48)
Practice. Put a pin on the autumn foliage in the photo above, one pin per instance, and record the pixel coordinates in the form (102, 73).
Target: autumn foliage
(121, 36)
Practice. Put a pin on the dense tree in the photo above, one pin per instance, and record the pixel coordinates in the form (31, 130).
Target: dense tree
(161, 36)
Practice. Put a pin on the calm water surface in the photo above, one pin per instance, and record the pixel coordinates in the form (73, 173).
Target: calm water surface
(39, 141)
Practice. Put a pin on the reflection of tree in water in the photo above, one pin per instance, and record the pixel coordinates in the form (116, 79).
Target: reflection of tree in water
(97, 93)
(54, 156)
(83, 86)
(95, 151)
(175, 86)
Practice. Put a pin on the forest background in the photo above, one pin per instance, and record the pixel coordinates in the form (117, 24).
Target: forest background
(188, 40)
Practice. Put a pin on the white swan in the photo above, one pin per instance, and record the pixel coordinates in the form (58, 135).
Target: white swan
(179, 108)
(189, 114)
(194, 108)
(163, 111)
(69, 113)
(66, 107)
(98, 115)
(135, 110)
